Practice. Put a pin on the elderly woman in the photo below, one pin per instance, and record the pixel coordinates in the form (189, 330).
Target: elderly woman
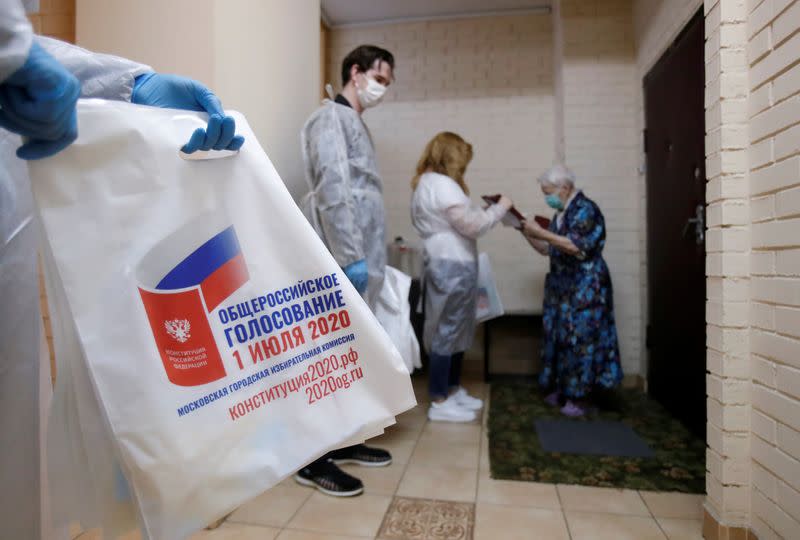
(580, 351)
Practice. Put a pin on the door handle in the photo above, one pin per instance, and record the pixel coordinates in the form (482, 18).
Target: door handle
(699, 223)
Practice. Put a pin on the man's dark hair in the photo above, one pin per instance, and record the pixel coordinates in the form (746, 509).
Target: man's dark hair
(364, 57)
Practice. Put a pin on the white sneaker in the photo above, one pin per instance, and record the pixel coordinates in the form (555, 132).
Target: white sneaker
(449, 411)
(466, 401)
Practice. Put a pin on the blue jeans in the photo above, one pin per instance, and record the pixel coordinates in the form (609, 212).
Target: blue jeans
(445, 373)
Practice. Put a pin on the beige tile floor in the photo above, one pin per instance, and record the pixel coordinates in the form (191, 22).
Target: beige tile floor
(450, 462)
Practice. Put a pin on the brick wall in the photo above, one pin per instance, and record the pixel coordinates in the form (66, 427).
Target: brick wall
(727, 264)
(753, 261)
(602, 145)
(488, 79)
(773, 55)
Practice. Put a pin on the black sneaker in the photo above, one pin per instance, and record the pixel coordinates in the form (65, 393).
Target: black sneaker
(363, 455)
(324, 475)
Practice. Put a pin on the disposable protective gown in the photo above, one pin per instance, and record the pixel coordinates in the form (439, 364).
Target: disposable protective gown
(101, 76)
(345, 204)
(449, 224)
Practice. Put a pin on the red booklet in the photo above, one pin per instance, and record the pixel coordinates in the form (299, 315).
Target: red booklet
(543, 222)
(492, 199)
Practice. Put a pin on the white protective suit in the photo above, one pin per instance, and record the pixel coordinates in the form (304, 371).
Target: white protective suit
(449, 224)
(20, 321)
(345, 204)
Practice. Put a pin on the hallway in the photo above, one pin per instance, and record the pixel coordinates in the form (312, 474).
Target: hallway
(449, 464)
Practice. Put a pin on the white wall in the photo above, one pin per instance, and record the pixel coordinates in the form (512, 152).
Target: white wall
(770, 56)
(267, 65)
(488, 79)
(656, 25)
(260, 56)
(601, 146)
(173, 37)
(492, 80)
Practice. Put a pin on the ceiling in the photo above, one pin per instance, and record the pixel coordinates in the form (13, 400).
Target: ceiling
(364, 12)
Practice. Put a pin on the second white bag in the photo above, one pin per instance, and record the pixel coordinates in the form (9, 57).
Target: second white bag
(222, 345)
(489, 305)
(393, 311)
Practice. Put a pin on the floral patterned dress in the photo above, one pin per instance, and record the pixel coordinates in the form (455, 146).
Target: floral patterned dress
(580, 349)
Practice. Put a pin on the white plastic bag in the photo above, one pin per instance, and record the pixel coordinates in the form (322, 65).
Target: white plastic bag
(489, 306)
(393, 311)
(206, 339)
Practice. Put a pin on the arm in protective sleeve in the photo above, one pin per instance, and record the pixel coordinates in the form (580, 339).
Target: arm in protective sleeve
(16, 36)
(101, 75)
(473, 221)
(333, 190)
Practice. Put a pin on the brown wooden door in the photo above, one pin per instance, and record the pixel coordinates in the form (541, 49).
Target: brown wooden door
(675, 149)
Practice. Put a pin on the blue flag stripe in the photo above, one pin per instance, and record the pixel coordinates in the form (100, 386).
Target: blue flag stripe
(203, 262)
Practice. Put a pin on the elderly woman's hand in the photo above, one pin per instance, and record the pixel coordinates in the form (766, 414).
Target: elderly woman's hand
(531, 229)
(532, 232)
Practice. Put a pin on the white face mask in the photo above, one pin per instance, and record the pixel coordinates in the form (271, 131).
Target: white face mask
(372, 94)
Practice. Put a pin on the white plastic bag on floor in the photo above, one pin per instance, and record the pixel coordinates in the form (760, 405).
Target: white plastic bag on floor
(393, 311)
(205, 337)
(489, 305)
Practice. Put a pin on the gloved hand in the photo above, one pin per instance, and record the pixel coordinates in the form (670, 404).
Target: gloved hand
(38, 102)
(357, 274)
(175, 92)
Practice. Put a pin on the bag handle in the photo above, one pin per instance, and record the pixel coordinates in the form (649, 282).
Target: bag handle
(193, 122)
(207, 155)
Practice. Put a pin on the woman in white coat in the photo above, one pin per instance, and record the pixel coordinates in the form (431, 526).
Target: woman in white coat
(449, 224)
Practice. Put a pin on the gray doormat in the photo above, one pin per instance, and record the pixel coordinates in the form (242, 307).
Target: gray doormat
(591, 437)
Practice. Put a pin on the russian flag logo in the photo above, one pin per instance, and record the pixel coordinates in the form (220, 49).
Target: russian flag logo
(178, 297)
(217, 266)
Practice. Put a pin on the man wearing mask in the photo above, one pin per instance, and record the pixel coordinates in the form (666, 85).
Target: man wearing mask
(40, 82)
(345, 206)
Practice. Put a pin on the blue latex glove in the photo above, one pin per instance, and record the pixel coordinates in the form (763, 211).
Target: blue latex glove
(175, 92)
(357, 274)
(38, 102)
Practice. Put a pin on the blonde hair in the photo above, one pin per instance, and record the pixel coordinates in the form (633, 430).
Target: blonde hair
(447, 154)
